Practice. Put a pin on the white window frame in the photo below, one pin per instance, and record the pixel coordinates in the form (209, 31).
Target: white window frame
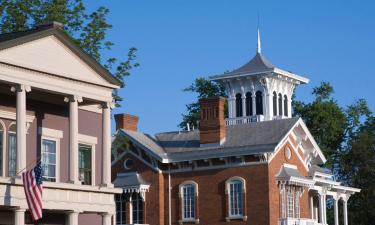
(56, 136)
(181, 193)
(3, 129)
(92, 142)
(227, 190)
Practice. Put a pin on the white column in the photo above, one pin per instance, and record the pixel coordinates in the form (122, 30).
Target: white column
(312, 206)
(72, 218)
(230, 106)
(321, 208)
(19, 216)
(254, 103)
(345, 210)
(106, 119)
(269, 106)
(335, 210)
(289, 107)
(325, 209)
(73, 138)
(244, 105)
(21, 125)
(106, 219)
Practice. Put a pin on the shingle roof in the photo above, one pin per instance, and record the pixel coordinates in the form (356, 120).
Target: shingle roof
(244, 139)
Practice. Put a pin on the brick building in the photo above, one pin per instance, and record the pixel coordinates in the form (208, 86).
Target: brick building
(259, 166)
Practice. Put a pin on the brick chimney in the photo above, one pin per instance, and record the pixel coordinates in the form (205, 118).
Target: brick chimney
(212, 124)
(126, 122)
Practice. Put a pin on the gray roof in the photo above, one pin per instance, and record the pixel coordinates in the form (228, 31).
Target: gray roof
(286, 173)
(243, 139)
(131, 179)
(258, 64)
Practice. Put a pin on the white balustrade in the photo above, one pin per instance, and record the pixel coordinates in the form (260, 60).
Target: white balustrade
(243, 120)
(295, 221)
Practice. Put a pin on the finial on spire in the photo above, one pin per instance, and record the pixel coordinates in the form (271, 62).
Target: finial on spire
(259, 49)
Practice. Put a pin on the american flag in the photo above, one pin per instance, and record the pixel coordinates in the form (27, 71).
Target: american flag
(32, 183)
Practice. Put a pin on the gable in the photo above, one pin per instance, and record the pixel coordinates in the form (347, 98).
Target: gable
(50, 55)
(303, 144)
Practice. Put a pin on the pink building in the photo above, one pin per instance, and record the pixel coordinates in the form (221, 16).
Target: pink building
(55, 105)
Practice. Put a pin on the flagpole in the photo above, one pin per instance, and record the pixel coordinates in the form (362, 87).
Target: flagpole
(32, 162)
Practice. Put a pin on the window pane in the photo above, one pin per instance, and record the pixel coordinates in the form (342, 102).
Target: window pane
(236, 198)
(84, 159)
(188, 201)
(12, 154)
(48, 154)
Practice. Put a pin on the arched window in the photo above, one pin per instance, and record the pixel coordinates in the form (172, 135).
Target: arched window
(189, 197)
(280, 105)
(274, 104)
(259, 103)
(238, 105)
(2, 132)
(12, 150)
(249, 104)
(235, 190)
(285, 105)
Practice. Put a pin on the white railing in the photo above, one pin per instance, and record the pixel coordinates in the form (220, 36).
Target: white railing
(243, 120)
(293, 221)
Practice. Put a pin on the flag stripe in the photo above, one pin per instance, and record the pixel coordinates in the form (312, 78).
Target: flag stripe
(32, 182)
(34, 196)
(24, 175)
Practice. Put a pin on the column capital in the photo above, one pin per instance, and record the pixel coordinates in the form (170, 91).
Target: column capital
(106, 105)
(19, 209)
(345, 198)
(73, 98)
(20, 88)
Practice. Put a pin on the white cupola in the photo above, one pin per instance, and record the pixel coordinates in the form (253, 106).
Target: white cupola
(259, 91)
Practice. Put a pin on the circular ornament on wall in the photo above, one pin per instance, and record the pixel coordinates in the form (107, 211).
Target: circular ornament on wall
(288, 153)
(128, 164)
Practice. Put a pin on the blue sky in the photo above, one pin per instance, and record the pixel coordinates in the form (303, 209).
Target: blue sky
(179, 41)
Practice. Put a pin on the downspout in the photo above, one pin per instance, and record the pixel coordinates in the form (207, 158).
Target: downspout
(169, 196)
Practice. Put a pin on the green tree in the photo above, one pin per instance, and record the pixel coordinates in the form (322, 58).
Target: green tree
(88, 30)
(325, 119)
(204, 88)
(357, 168)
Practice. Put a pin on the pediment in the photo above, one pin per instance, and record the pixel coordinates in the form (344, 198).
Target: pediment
(50, 55)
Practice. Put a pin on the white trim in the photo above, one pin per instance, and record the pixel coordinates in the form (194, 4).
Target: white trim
(227, 191)
(3, 128)
(12, 116)
(86, 139)
(52, 133)
(91, 108)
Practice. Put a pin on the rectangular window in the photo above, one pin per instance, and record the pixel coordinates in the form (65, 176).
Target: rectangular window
(120, 209)
(290, 204)
(137, 205)
(12, 154)
(85, 168)
(48, 157)
(236, 201)
(188, 202)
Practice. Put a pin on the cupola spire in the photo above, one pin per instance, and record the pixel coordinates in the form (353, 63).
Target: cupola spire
(259, 49)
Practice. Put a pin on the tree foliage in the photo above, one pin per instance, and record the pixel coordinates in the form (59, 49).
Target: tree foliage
(203, 88)
(87, 29)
